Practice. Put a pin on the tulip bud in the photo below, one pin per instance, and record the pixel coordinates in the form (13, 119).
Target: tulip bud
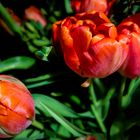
(16, 106)
(90, 5)
(33, 13)
(129, 34)
(88, 43)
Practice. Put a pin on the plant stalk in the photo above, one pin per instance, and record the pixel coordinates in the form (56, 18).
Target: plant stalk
(121, 93)
(94, 109)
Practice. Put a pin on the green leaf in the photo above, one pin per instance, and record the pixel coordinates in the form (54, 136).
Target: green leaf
(68, 7)
(44, 53)
(40, 43)
(29, 134)
(17, 62)
(43, 83)
(43, 80)
(37, 124)
(39, 78)
(105, 103)
(55, 105)
(65, 123)
(9, 20)
(116, 130)
(57, 110)
(127, 99)
(60, 130)
(30, 27)
(87, 114)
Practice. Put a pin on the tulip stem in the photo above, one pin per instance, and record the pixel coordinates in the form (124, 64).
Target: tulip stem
(98, 118)
(95, 108)
(120, 96)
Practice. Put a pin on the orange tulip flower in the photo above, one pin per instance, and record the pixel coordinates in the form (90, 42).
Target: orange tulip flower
(129, 33)
(88, 43)
(16, 107)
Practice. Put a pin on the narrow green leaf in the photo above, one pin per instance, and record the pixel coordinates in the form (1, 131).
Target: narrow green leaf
(37, 124)
(43, 83)
(105, 103)
(56, 105)
(9, 20)
(62, 131)
(69, 126)
(40, 43)
(87, 114)
(29, 134)
(39, 78)
(68, 6)
(17, 62)
(44, 53)
(126, 99)
(31, 27)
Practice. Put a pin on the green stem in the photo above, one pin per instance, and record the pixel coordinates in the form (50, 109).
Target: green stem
(98, 119)
(95, 110)
(92, 94)
(9, 20)
(121, 93)
(100, 85)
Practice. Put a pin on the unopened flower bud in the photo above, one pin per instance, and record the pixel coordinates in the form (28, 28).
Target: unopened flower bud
(16, 106)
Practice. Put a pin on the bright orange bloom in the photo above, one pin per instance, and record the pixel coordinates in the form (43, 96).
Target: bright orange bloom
(129, 33)
(33, 13)
(88, 43)
(89, 5)
(16, 106)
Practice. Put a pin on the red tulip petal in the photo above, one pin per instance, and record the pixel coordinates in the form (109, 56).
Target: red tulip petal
(81, 39)
(13, 122)
(131, 67)
(90, 5)
(13, 101)
(69, 52)
(107, 56)
(108, 29)
(16, 105)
